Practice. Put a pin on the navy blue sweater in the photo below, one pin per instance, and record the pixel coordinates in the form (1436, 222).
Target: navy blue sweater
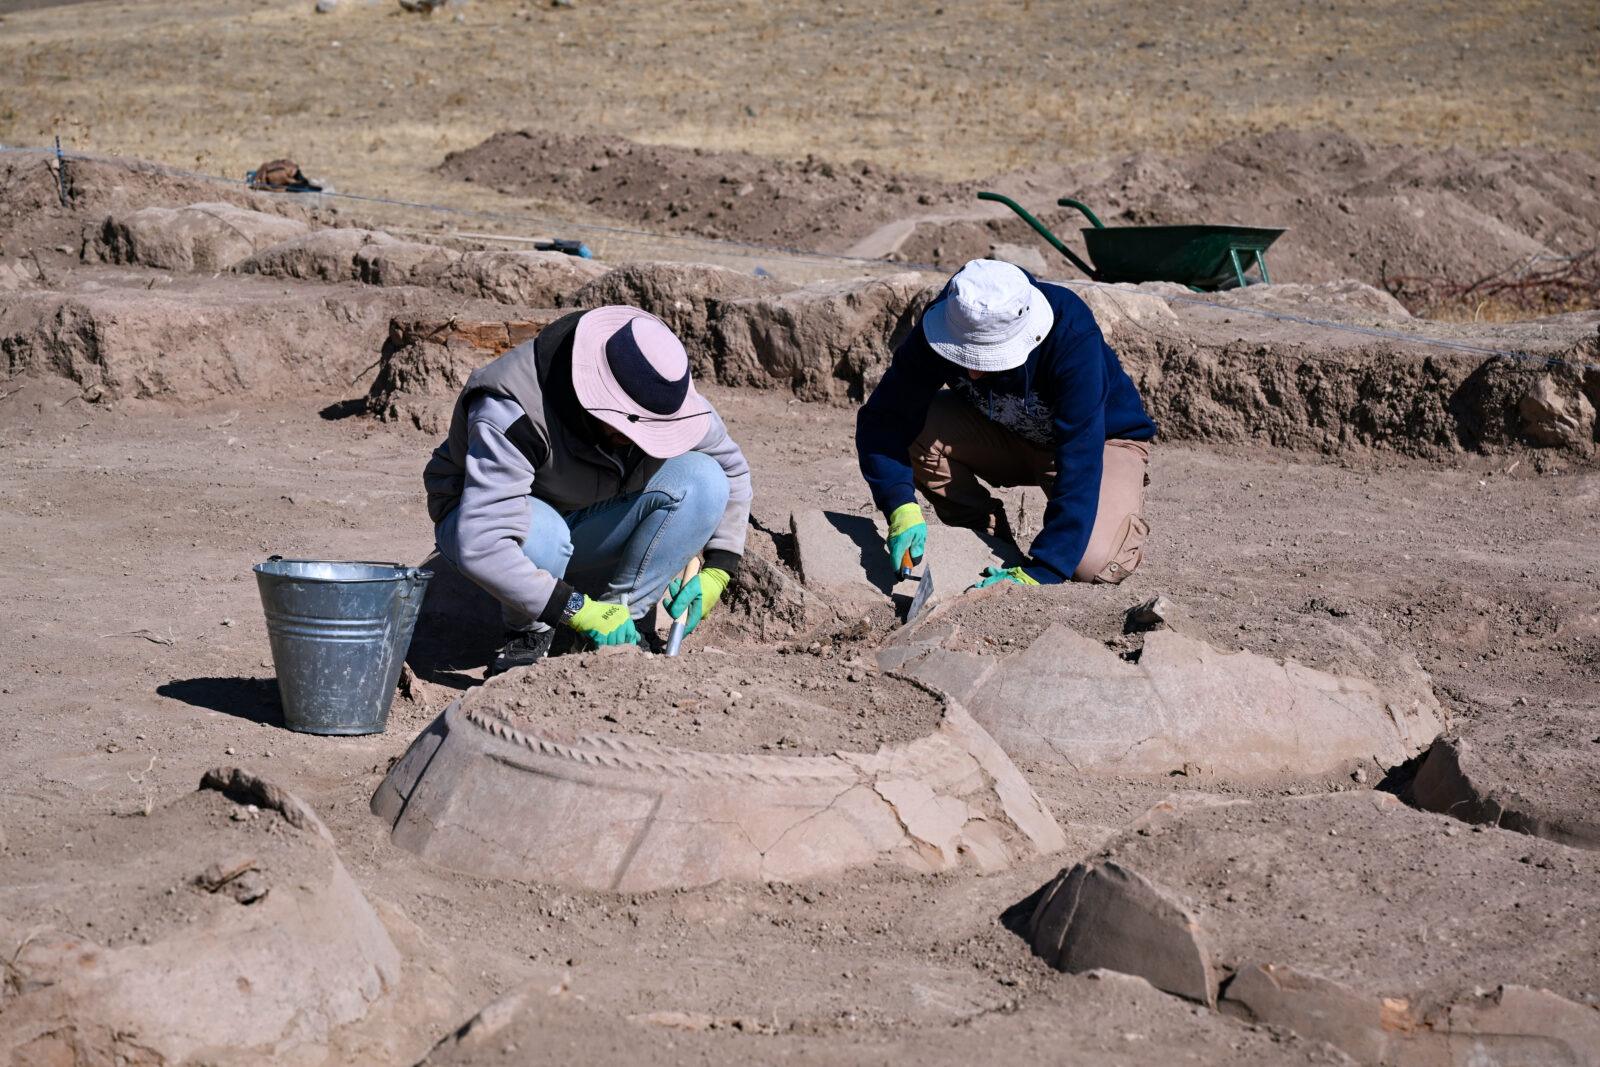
(1072, 378)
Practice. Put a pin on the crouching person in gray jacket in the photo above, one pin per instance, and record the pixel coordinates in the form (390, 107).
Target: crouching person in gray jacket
(581, 473)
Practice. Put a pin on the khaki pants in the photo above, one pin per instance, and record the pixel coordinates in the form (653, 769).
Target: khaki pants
(958, 445)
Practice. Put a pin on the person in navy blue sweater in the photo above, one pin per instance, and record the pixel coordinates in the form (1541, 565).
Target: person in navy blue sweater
(1009, 380)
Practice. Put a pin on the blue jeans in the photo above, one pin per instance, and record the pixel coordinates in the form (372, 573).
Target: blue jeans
(629, 546)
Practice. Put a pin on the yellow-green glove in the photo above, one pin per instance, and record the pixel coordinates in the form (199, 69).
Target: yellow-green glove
(908, 537)
(693, 600)
(604, 624)
(992, 575)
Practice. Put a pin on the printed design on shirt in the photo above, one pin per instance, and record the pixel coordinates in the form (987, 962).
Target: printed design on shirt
(1026, 416)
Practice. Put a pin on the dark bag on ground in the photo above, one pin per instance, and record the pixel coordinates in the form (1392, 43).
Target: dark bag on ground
(281, 174)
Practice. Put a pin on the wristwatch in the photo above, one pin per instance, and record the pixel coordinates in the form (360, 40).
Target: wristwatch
(573, 606)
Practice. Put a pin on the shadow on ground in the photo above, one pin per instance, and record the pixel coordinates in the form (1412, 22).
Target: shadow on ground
(252, 699)
(458, 628)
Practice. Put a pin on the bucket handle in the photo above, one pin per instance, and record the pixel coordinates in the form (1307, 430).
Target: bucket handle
(414, 579)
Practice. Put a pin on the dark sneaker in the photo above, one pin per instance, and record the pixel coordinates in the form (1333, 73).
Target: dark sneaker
(523, 648)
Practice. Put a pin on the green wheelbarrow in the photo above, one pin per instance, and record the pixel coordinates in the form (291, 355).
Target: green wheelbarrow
(1205, 258)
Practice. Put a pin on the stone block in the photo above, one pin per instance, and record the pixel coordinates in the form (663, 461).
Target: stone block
(1553, 417)
(482, 792)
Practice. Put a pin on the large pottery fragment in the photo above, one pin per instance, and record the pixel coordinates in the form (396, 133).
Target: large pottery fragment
(222, 928)
(491, 793)
(1540, 785)
(1325, 915)
(842, 558)
(1184, 706)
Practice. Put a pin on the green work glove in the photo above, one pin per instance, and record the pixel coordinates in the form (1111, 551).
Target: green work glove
(992, 575)
(604, 624)
(693, 600)
(908, 537)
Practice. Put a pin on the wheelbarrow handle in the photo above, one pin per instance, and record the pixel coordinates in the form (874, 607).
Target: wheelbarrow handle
(1043, 232)
(1067, 201)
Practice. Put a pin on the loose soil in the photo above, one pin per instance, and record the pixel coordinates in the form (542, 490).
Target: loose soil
(136, 654)
(120, 556)
(758, 700)
(1446, 111)
(1229, 865)
(1352, 209)
(156, 890)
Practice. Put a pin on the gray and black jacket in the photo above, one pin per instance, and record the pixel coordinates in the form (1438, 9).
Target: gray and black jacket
(519, 430)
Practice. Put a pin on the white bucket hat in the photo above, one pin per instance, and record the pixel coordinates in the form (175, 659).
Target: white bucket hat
(630, 371)
(992, 317)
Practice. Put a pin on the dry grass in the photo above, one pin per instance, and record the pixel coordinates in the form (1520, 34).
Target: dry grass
(372, 98)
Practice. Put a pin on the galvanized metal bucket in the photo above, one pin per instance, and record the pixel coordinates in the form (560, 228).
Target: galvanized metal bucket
(339, 631)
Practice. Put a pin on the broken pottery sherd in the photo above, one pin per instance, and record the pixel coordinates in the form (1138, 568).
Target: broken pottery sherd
(206, 933)
(1514, 1024)
(1104, 915)
(1276, 898)
(484, 791)
(1459, 780)
(842, 558)
(1184, 707)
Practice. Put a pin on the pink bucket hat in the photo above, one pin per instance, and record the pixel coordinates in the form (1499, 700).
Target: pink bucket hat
(630, 371)
(992, 317)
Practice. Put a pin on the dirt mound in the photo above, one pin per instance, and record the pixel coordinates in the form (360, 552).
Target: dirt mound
(736, 196)
(1352, 209)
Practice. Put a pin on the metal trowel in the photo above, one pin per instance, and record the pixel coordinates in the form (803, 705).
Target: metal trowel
(675, 631)
(919, 602)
